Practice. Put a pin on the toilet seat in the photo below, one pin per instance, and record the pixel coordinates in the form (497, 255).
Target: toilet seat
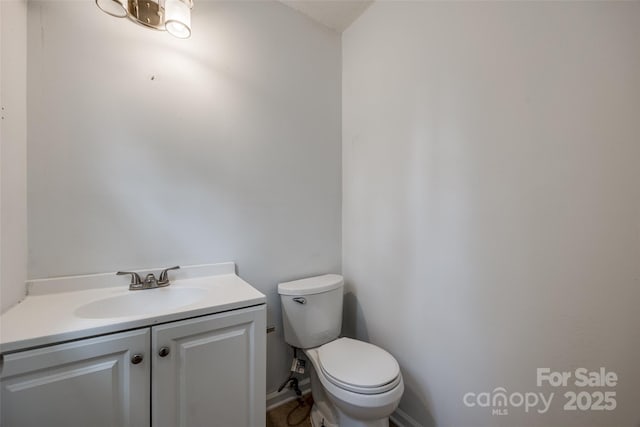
(358, 366)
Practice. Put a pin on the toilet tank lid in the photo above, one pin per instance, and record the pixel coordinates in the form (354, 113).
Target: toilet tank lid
(311, 285)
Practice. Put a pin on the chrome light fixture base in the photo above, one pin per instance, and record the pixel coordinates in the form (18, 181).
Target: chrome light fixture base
(147, 13)
(173, 16)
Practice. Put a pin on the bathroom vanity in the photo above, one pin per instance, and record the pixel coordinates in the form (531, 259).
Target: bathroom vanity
(193, 355)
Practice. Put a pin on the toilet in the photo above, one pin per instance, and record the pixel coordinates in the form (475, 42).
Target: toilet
(353, 383)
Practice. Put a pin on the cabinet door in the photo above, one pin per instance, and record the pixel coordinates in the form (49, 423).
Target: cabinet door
(90, 382)
(214, 372)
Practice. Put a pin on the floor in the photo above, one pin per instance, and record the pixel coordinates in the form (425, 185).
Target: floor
(293, 414)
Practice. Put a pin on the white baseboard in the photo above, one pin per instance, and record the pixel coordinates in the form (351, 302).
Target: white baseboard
(402, 419)
(275, 399)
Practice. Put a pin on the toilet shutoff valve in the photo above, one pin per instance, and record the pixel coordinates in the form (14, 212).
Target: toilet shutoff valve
(298, 366)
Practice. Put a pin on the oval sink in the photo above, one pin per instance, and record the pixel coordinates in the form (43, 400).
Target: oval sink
(141, 302)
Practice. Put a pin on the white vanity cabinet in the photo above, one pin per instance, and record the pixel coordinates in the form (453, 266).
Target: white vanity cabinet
(210, 371)
(91, 382)
(203, 371)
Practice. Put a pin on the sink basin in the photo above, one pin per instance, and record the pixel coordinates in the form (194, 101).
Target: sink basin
(140, 302)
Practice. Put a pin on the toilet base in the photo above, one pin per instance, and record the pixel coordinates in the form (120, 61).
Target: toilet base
(318, 419)
(346, 421)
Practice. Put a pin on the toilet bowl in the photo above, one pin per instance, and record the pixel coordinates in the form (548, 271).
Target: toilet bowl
(364, 389)
(354, 383)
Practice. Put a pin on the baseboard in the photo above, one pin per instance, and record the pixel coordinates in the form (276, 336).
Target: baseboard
(275, 399)
(402, 419)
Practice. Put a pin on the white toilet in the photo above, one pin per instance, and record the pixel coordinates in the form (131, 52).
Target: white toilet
(354, 383)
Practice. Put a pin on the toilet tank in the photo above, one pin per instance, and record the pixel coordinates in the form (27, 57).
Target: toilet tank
(312, 310)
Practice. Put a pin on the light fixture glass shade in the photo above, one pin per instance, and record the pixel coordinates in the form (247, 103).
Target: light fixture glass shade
(117, 8)
(177, 15)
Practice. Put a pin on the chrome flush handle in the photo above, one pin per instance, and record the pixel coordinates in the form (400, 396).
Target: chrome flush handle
(300, 300)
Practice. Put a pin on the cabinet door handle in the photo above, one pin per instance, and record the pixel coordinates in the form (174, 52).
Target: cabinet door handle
(164, 351)
(136, 358)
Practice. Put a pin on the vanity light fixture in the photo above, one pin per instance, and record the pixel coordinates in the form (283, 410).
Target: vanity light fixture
(173, 16)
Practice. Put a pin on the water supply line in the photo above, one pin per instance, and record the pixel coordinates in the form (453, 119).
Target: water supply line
(293, 383)
(291, 380)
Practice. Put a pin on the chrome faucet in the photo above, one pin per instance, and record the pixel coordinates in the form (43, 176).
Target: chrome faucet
(150, 281)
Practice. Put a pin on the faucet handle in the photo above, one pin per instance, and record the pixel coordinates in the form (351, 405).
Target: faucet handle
(164, 275)
(135, 278)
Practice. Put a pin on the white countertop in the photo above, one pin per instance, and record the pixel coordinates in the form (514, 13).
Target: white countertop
(48, 314)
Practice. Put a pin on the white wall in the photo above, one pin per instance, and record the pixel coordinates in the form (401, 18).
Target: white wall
(149, 151)
(13, 151)
(491, 206)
